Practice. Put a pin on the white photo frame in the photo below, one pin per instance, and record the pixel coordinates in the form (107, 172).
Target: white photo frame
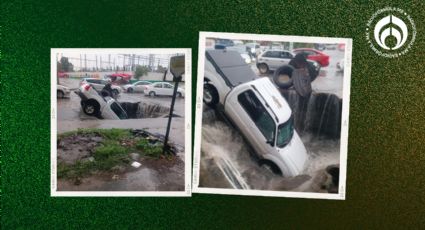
(187, 124)
(344, 115)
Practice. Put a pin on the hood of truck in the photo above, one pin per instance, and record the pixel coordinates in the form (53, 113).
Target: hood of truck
(294, 155)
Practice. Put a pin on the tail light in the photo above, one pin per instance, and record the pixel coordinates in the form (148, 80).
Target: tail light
(87, 87)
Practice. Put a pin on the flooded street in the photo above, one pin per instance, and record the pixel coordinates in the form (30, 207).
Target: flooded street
(228, 162)
(145, 113)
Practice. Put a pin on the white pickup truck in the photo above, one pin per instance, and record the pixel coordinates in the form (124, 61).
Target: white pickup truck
(256, 108)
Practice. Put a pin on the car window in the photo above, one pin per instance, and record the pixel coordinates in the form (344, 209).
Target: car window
(258, 113)
(90, 80)
(119, 111)
(103, 82)
(168, 86)
(285, 55)
(158, 86)
(272, 54)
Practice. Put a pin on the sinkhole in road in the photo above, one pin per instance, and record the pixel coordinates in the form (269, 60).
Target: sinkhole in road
(228, 162)
(145, 110)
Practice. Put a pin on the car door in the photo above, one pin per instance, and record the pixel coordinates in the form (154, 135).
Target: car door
(158, 88)
(168, 89)
(272, 58)
(253, 119)
(285, 58)
(138, 87)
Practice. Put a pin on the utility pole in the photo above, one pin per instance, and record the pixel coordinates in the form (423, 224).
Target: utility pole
(85, 62)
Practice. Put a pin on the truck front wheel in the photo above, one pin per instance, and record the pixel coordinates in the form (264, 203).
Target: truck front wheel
(210, 95)
(270, 167)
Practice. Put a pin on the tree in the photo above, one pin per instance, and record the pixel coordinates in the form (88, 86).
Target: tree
(140, 71)
(161, 69)
(66, 66)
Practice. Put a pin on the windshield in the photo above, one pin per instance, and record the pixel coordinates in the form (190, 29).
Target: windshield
(284, 133)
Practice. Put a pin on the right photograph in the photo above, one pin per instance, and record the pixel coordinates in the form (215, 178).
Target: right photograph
(272, 115)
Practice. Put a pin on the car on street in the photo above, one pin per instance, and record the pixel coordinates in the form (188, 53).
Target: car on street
(248, 58)
(95, 104)
(271, 60)
(314, 55)
(162, 89)
(255, 107)
(253, 48)
(98, 84)
(62, 91)
(138, 86)
(224, 42)
(331, 46)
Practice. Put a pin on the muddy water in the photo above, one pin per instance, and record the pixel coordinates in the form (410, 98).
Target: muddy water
(144, 110)
(227, 162)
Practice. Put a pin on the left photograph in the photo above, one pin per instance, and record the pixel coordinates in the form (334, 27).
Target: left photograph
(120, 122)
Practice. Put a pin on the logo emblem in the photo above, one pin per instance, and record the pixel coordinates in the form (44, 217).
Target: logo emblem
(393, 32)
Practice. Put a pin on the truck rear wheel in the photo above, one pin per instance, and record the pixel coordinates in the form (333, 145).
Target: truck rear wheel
(210, 95)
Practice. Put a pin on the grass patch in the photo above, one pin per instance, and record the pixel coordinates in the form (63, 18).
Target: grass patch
(110, 153)
(111, 134)
(148, 148)
(78, 169)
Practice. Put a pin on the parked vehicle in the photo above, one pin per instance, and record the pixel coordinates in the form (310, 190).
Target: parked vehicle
(242, 51)
(253, 48)
(138, 86)
(331, 46)
(271, 60)
(95, 104)
(314, 55)
(62, 91)
(98, 84)
(255, 107)
(225, 42)
(163, 89)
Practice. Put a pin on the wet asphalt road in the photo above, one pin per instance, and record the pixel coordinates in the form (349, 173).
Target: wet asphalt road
(150, 176)
(69, 109)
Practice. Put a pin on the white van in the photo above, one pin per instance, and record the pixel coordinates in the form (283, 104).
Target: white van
(255, 107)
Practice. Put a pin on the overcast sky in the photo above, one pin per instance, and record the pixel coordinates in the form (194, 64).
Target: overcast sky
(105, 59)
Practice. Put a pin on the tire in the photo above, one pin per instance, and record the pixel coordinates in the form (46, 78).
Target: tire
(60, 94)
(270, 166)
(152, 94)
(282, 77)
(91, 108)
(210, 96)
(130, 90)
(263, 68)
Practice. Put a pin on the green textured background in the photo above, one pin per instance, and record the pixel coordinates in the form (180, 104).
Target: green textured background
(386, 153)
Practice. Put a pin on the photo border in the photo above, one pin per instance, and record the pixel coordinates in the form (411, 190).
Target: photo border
(187, 192)
(344, 115)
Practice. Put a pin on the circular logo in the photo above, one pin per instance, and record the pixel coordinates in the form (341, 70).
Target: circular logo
(390, 32)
